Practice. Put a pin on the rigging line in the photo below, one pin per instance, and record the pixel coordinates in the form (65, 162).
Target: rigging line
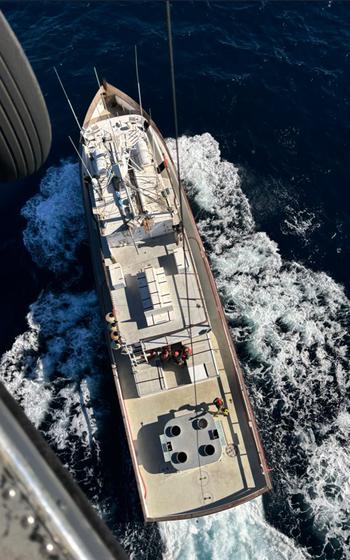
(140, 189)
(81, 159)
(152, 136)
(134, 165)
(97, 77)
(99, 192)
(138, 81)
(154, 158)
(173, 87)
(143, 189)
(109, 119)
(109, 116)
(144, 182)
(68, 100)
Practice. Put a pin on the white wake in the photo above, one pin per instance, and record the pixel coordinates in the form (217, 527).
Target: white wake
(238, 534)
(55, 223)
(52, 372)
(289, 324)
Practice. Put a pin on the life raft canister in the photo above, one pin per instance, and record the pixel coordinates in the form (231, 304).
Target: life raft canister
(110, 318)
(115, 335)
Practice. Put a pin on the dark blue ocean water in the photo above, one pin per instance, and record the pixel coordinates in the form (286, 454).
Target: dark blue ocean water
(269, 82)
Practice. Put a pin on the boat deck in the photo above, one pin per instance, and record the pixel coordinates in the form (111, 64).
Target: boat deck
(164, 489)
(156, 253)
(156, 293)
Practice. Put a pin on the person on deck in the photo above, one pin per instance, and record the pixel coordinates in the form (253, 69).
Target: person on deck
(152, 355)
(186, 353)
(219, 403)
(176, 356)
(221, 409)
(165, 355)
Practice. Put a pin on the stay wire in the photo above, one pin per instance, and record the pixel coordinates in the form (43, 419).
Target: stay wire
(173, 88)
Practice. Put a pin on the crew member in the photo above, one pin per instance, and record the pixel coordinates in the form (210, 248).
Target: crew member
(219, 403)
(221, 409)
(176, 355)
(186, 353)
(165, 355)
(153, 354)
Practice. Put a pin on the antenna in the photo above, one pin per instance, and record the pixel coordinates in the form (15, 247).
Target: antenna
(138, 81)
(65, 93)
(97, 78)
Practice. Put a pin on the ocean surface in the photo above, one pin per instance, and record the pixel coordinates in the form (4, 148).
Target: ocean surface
(264, 103)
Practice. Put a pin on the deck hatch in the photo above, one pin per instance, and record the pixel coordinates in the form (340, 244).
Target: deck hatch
(155, 295)
(191, 441)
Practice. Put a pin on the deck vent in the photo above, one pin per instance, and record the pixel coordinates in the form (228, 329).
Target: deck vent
(180, 457)
(207, 450)
(200, 424)
(174, 431)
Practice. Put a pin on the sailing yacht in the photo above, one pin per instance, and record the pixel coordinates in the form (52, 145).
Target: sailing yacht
(192, 436)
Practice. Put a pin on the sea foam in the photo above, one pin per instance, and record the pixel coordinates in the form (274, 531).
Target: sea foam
(291, 329)
(239, 534)
(55, 224)
(52, 372)
(290, 326)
